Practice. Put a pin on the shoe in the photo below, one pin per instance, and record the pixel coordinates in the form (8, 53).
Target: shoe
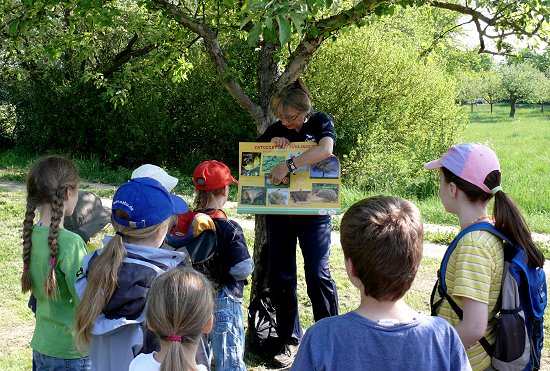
(286, 355)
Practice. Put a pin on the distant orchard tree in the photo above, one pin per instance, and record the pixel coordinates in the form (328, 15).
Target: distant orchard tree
(491, 87)
(519, 82)
(469, 88)
(541, 91)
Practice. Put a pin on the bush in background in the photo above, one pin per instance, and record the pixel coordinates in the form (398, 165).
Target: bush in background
(393, 111)
(172, 124)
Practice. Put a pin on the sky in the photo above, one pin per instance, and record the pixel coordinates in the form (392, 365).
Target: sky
(471, 39)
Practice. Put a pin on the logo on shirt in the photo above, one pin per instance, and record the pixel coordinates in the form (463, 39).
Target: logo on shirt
(309, 138)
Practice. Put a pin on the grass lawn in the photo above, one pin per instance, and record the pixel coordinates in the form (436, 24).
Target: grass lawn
(523, 147)
(521, 143)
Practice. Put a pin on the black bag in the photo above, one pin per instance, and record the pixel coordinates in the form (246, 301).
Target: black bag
(262, 324)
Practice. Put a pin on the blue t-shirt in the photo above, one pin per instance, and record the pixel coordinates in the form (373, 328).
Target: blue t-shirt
(353, 342)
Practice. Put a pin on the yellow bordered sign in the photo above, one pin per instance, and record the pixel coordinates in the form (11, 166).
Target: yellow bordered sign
(311, 190)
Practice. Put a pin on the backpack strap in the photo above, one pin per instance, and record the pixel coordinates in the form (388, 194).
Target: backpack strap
(441, 286)
(215, 213)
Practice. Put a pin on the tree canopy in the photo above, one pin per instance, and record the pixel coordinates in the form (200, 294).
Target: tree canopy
(143, 38)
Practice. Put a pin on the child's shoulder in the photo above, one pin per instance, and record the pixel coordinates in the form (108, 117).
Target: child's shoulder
(479, 237)
(441, 327)
(228, 224)
(145, 362)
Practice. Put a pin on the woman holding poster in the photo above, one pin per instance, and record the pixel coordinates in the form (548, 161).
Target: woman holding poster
(298, 122)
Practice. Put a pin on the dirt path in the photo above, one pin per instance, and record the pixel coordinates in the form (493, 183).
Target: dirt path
(430, 249)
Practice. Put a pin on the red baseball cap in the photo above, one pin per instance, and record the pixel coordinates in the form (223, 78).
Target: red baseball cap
(211, 175)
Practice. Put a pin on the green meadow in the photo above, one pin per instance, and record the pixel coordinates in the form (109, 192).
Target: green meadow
(522, 145)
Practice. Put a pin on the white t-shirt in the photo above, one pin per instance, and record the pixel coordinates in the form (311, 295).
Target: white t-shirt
(146, 362)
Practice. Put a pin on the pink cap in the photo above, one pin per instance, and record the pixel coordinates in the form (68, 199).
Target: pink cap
(469, 161)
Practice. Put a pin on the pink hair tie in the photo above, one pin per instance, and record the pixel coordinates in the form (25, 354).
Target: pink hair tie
(25, 267)
(52, 261)
(174, 338)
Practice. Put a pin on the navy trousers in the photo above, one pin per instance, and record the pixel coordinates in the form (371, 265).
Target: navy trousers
(313, 233)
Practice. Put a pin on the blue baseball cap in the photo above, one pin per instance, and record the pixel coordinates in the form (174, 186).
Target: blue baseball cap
(146, 202)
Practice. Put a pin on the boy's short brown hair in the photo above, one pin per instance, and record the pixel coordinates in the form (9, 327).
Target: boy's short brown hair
(383, 237)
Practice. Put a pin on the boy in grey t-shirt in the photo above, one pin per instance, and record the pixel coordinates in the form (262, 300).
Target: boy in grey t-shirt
(382, 238)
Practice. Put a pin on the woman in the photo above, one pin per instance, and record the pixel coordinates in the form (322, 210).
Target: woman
(298, 122)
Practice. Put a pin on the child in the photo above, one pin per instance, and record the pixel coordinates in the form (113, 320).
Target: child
(179, 310)
(159, 174)
(116, 278)
(382, 240)
(52, 261)
(233, 262)
(469, 177)
(89, 217)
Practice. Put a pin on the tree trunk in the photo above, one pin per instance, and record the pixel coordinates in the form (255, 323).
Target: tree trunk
(513, 107)
(542, 107)
(491, 107)
(472, 107)
(260, 276)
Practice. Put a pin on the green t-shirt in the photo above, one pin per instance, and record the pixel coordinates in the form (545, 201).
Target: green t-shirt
(54, 333)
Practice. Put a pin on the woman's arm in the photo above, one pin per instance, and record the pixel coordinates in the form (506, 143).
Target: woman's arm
(474, 321)
(311, 156)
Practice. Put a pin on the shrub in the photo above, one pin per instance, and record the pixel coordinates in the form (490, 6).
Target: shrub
(392, 110)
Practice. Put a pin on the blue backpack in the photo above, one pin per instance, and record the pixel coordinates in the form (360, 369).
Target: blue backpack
(519, 337)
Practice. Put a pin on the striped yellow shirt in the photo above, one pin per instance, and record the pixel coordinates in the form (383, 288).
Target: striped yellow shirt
(474, 271)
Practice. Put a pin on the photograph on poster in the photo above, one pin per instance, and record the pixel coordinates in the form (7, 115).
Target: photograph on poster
(309, 190)
(250, 163)
(327, 168)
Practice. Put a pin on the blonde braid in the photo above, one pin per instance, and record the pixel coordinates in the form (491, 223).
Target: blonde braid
(26, 284)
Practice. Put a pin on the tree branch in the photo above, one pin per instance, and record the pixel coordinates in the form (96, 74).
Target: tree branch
(127, 54)
(440, 36)
(216, 55)
(496, 21)
(303, 53)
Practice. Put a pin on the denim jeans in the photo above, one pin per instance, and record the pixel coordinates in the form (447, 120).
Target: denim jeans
(227, 337)
(46, 363)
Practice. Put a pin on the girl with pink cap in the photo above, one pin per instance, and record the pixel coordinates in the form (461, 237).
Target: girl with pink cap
(469, 178)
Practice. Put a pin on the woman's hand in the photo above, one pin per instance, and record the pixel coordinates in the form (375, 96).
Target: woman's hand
(278, 173)
(280, 141)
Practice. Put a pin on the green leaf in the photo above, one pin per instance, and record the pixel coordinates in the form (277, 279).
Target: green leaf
(245, 21)
(268, 22)
(284, 29)
(12, 29)
(254, 34)
(297, 22)
(23, 26)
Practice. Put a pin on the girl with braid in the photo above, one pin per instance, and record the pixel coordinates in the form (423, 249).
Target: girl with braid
(52, 261)
(179, 309)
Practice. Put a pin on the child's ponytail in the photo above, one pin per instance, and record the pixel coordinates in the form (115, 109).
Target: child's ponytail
(102, 283)
(508, 218)
(176, 357)
(510, 221)
(179, 308)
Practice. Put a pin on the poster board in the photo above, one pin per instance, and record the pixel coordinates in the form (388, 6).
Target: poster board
(311, 190)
